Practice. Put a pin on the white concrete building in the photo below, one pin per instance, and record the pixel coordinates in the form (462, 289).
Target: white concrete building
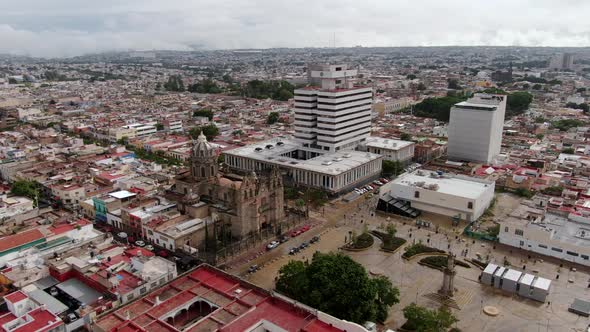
(334, 115)
(390, 149)
(475, 128)
(566, 238)
(334, 172)
(446, 194)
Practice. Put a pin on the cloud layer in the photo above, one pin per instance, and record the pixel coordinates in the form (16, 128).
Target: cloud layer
(60, 28)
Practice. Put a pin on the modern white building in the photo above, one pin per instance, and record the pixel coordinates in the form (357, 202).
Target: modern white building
(334, 115)
(335, 172)
(445, 194)
(475, 128)
(566, 238)
(390, 149)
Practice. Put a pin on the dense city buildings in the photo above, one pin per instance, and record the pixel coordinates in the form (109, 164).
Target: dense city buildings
(122, 173)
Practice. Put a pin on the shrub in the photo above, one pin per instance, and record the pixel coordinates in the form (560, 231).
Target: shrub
(440, 262)
(389, 243)
(363, 241)
(419, 248)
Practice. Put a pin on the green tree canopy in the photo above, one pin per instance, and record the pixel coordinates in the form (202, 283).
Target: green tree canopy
(205, 86)
(567, 124)
(422, 319)
(26, 188)
(159, 126)
(391, 167)
(273, 117)
(405, 137)
(210, 131)
(204, 113)
(453, 84)
(278, 90)
(583, 106)
(438, 108)
(174, 83)
(337, 285)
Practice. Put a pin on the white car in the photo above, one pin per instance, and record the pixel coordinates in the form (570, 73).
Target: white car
(272, 245)
(122, 235)
(149, 247)
(140, 243)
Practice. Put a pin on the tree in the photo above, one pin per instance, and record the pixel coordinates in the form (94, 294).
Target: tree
(204, 113)
(437, 108)
(273, 117)
(210, 131)
(391, 167)
(12, 80)
(421, 87)
(174, 84)
(411, 76)
(279, 90)
(537, 86)
(540, 136)
(205, 86)
(422, 319)
(159, 126)
(568, 151)
(540, 119)
(583, 106)
(405, 137)
(567, 124)
(453, 84)
(26, 188)
(391, 230)
(339, 286)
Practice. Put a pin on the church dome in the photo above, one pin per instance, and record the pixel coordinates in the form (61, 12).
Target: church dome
(202, 148)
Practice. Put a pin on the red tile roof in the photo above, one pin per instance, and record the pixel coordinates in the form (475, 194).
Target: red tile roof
(16, 240)
(15, 297)
(237, 310)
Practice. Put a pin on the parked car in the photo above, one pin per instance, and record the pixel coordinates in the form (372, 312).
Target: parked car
(272, 245)
(253, 268)
(293, 251)
(140, 243)
(314, 239)
(149, 247)
(283, 239)
(295, 233)
(305, 228)
(303, 245)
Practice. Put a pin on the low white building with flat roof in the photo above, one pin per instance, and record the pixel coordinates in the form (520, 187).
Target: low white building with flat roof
(563, 237)
(390, 149)
(334, 172)
(446, 194)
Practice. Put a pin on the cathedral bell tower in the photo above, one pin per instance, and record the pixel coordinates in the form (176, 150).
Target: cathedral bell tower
(204, 163)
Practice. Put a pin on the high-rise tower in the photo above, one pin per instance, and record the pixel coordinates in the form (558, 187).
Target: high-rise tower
(334, 114)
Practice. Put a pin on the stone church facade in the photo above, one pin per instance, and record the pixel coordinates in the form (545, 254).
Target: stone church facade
(245, 204)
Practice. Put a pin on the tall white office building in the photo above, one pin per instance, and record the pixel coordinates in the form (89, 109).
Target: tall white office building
(334, 115)
(475, 128)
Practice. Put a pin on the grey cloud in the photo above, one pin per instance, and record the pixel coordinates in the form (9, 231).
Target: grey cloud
(66, 28)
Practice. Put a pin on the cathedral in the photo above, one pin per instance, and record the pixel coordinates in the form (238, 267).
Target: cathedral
(244, 203)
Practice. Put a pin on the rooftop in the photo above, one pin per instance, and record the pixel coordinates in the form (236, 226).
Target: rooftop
(387, 143)
(19, 239)
(276, 152)
(456, 185)
(226, 303)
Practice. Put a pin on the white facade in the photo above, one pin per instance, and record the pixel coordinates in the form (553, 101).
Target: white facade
(475, 128)
(516, 282)
(448, 194)
(550, 235)
(336, 115)
(334, 172)
(390, 149)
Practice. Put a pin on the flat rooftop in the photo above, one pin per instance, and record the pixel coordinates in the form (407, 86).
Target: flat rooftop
(387, 143)
(564, 230)
(461, 186)
(275, 151)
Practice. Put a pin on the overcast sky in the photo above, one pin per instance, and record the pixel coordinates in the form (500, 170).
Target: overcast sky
(73, 27)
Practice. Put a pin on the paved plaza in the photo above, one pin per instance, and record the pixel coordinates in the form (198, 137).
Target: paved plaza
(416, 281)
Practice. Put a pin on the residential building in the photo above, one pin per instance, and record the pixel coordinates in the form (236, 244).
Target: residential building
(475, 128)
(26, 315)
